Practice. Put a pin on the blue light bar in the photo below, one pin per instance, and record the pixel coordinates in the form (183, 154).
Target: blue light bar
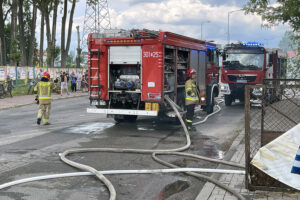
(165, 35)
(139, 41)
(210, 47)
(253, 44)
(107, 41)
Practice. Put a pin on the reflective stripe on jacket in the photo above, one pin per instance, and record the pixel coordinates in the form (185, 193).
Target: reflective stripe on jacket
(194, 96)
(43, 91)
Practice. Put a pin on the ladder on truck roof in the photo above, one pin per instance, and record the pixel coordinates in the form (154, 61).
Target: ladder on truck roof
(95, 70)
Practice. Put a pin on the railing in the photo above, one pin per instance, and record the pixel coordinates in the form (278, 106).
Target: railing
(271, 109)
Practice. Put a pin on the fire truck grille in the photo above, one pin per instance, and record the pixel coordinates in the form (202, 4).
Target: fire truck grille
(238, 77)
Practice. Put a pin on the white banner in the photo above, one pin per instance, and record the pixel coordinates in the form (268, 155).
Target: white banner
(21, 73)
(277, 159)
(11, 72)
(2, 73)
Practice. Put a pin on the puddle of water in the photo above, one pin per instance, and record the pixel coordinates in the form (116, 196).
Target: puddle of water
(212, 151)
(90, 128)
(171, 189)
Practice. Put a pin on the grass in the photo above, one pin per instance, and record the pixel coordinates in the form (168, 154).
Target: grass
(20, 90)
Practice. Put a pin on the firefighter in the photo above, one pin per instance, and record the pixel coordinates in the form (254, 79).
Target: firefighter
(42, 92)
(192, 97)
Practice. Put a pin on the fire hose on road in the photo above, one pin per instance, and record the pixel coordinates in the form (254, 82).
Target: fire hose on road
(177, 151)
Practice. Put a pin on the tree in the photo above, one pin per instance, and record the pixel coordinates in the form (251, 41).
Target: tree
(284, 11)
(286, 43)
(3, 16)
(27, 24)
(65, 46)
(13, 33)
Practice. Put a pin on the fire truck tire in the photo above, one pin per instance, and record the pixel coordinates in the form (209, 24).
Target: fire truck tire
(210, 107)
(228, 100)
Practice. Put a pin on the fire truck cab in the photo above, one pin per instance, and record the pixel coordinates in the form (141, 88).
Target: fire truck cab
(248, 63)
(130, 72)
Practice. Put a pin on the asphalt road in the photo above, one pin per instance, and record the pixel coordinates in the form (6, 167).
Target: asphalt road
(28, 150)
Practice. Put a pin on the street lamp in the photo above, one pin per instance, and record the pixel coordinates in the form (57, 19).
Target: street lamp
(201, 26)
(228, 35)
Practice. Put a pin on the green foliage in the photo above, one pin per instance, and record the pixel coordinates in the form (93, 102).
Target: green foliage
(287, 43)
(55, 52)
(27, 26)
(281, 11)
(7, 34)
(16, 53)
(284, 11)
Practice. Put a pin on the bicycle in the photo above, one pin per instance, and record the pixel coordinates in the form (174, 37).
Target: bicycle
(2, 91)
(32, 84)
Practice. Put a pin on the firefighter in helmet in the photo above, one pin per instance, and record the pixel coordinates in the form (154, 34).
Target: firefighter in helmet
(43, 97)
(192, 97)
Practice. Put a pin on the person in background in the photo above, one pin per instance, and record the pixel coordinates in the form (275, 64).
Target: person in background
(39, 75)
(84, 84)
(43, 97)
(86, 79)
(192, 97)
(73, 82)
(64, 83)
(9, 85)
(78, 81)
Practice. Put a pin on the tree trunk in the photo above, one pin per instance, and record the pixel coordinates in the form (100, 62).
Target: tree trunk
(14, 12)
(32, 53)
(63, 32)
(53, 42)
(65, 48)
(2, 36)
(21, 34)
(48, 34)
(42, 40)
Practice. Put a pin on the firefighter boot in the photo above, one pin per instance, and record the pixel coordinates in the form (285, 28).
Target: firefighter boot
(38, 121)
(189, 125)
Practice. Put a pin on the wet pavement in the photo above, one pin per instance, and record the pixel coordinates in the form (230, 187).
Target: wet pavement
(28, 150)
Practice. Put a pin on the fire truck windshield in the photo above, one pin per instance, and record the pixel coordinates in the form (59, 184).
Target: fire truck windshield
(243, 61)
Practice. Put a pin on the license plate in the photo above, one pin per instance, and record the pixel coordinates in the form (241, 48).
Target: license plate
(94, 103)
(241, 81)
(101, 103)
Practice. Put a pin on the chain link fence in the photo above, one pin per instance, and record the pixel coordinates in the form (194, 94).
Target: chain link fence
(271, 109)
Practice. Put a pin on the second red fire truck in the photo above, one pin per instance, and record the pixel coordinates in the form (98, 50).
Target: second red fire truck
(249, 63)
(130, 72)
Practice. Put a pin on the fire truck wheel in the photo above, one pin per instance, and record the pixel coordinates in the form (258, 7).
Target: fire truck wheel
(210, 107)
(228, 100)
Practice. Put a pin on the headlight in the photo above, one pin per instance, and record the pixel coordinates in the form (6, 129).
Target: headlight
(202, 98)
(222, 87)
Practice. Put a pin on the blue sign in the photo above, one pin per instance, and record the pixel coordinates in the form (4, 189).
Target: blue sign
(296, 166)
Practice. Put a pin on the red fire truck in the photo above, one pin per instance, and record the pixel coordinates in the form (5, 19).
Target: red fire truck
(130, 72)
(248, 63)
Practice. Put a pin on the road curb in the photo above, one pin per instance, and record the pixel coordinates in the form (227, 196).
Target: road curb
(208, 188)
(25, 104)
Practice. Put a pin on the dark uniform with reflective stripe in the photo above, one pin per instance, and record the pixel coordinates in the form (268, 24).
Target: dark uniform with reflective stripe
(43, 92)
(192, 97)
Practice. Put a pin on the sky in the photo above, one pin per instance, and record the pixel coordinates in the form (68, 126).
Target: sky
(184, 17)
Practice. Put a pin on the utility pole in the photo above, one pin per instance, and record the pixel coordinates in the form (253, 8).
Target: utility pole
(96, 19)
(228, 35)
(78, 48)
(202, 25)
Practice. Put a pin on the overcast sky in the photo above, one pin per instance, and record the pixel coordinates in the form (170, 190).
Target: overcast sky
(185, 17)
